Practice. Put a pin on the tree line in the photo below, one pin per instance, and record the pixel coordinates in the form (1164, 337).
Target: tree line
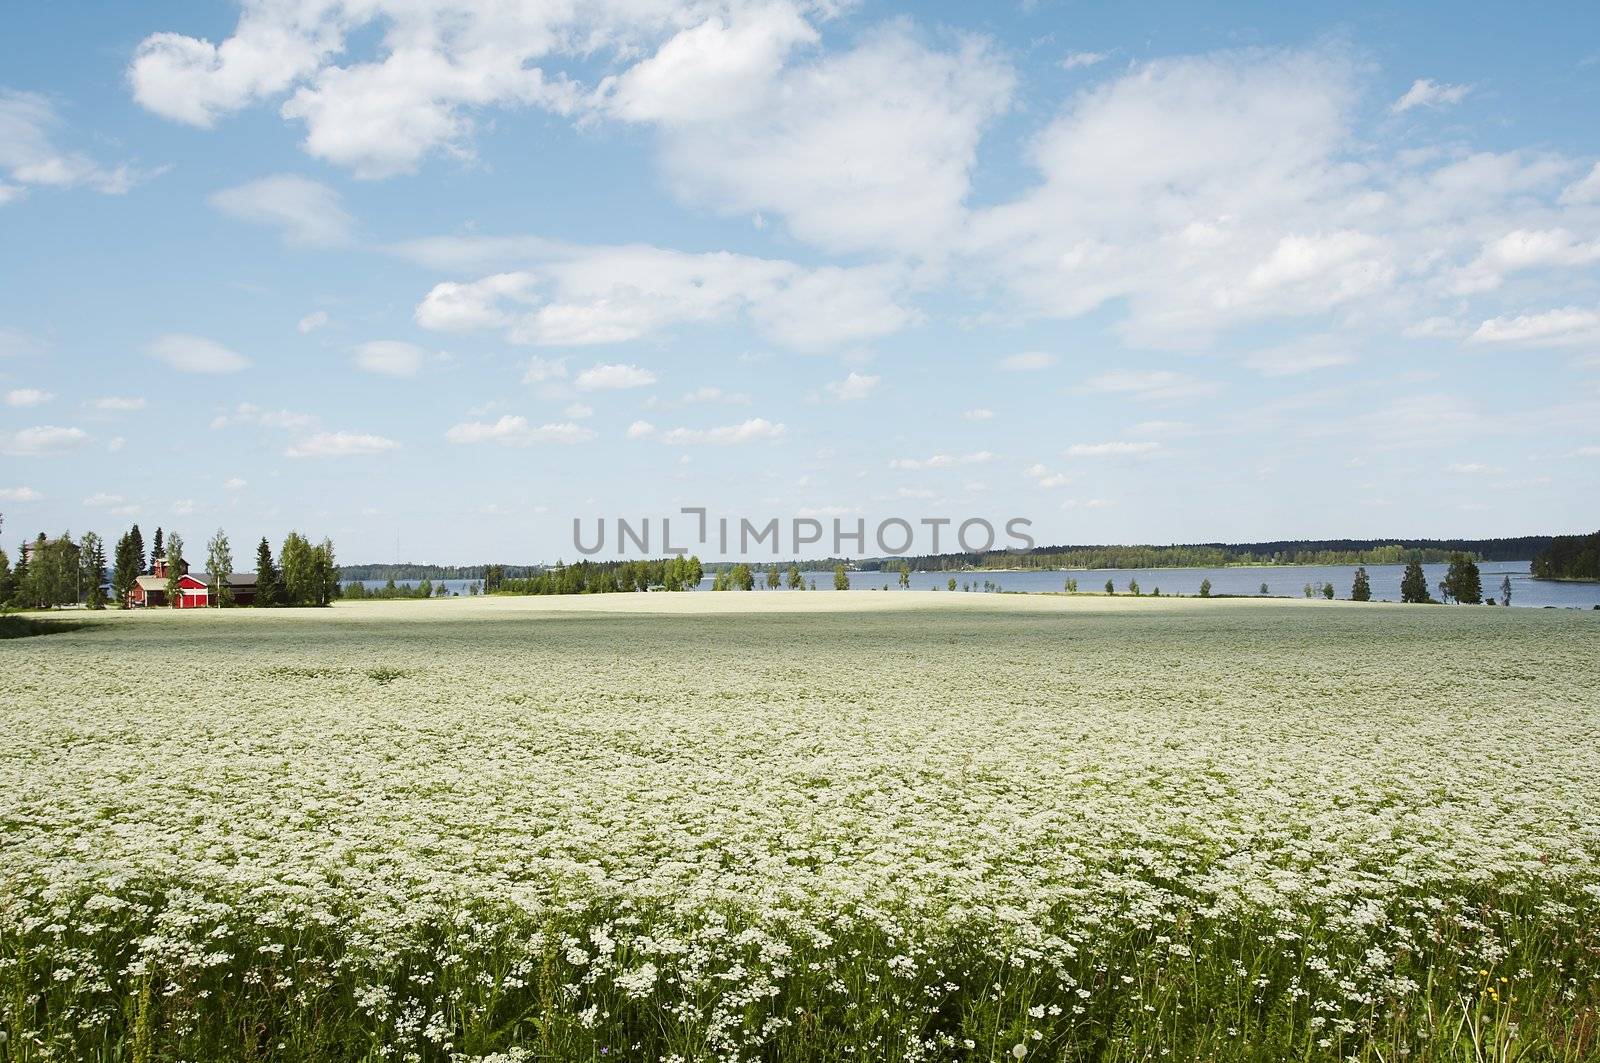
(599, 577)
(1569, 557)
(63, 571)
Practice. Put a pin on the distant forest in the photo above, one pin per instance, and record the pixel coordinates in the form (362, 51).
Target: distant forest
(1221, 555)
(1570, 557)
(1191, 555)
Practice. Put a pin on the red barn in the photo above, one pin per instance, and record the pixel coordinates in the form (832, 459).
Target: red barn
(194, 592)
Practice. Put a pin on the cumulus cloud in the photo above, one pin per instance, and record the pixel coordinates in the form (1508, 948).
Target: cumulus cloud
(755, 430)
(249, 414)
(1114, 449)
(31, 159)
(853, 388)
(641, 430)
(312, 321)
(614, 377)
(570, 295)
(1551, 328)
(1077, 60)
(340, 444)
(23, 397)
(941, 461)
(542, 370)
(42, 440)
(390, 358)
(304, 211)
(19, 494)
(1425, 92)
(1584, 190)
(513, 431)
(195, 354)
(860, 150)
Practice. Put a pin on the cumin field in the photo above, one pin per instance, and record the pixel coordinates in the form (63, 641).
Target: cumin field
(803, 827)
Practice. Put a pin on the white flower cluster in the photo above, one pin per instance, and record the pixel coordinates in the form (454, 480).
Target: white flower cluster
(707, 830)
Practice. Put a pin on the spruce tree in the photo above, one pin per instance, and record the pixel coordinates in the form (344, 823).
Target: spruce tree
(1414, 584)
(126, 567)
(1361, 589)
(157, 552)
(1463, 582)
(269, 584)
(137, 541)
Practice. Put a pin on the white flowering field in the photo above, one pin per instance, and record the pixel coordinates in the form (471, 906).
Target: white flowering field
(780, 827)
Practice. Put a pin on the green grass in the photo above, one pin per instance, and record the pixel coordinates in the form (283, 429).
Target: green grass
(818, 827)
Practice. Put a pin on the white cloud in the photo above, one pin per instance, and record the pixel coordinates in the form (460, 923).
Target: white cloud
(755, 430)
(246, 413)
(1027, 362)
(19, 494)
(574, 295)
(542, 370)
(1115, 449)
(1425, 92)
(42, 440)
(1523, 249)
(1584, 190)
(641, 430)
(578, 411)
(103, 500)
(312, 321)
(28, 155)
(705, 395)
(1475, 469)
(513, 431)
(234, 483)
(340, 444)
(941, 461)
(614, 377)
(1047, 477)
(1155, 386)
(978, 414)
(118, 404)
(390, 358)
(22, 397)
(1551, 328)
(853, 388)
(195, 354)
(303, 210)
(1077, 60)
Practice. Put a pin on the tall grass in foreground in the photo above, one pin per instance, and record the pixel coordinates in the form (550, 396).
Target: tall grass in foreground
(1486, 974)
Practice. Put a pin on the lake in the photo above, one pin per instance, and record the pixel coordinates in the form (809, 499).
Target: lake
(1284, 580)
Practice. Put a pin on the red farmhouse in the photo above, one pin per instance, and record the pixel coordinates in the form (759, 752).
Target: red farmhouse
(194, 592)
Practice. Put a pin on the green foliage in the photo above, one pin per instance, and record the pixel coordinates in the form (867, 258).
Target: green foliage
(127, 565)
(1205, 588)
(1569, 557)
(1414, 584)
(175, 563)
(1361, 589)
(269, 581)
(604, 577)
(774, 580)
(301, 580)
(1133, 587)
(1263, 588)
(1463, 582)
(1111, 588)
(796, 581)
(92, 570)
(1505, 591)
(219, 565)
(841, 580)
(1327, 591)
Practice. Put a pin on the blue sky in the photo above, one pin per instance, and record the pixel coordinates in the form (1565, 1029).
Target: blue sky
(436, 278)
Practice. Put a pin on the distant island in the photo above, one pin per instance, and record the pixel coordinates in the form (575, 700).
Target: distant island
(1570, 557)
(1190, 555)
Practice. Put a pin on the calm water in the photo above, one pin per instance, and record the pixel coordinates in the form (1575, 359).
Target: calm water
(1288, 580)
